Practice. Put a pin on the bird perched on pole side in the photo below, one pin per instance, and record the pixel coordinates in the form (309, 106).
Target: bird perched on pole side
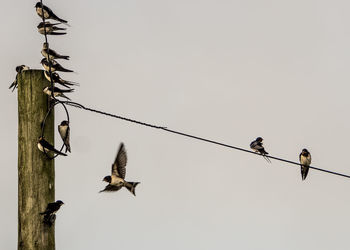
(117, 179)
(57, 92)
(57, 79)
(257, 146)
(55, 66)
(19, 69)
(305, 161)
(47, 12)
(64, 131)
(50, 29)
(51, 54)
(51, 209)
(45, 147)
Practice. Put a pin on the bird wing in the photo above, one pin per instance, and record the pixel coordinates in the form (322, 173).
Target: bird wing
(111, 188)
(118, 167)
(256, 145)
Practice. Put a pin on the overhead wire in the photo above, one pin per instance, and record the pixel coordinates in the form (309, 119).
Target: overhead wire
(78, 105)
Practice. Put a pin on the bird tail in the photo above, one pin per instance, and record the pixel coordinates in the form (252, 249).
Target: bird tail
(67, 147)
(267, 158)
(64, 82)
(56, 33)
(63, 69)
(304, 172)
(60, 19)
(58, 152)
(64, 96)
(58, 28)
(63, 57)
(13, 85)
(131, 186)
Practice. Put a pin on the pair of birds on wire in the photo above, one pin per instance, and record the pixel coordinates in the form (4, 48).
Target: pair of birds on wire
(304, 156)
(64, 131)
(46, 27)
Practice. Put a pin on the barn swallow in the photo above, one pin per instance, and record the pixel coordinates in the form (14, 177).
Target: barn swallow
(257, 146)
(57, 92)
(19, 69)
(45, 146)
(55, 66)
(48, 13)
(57, 79)
(305, 161)
(64, 131)
(50, 28)
(47, 52)
(117, 179)
(51, 209)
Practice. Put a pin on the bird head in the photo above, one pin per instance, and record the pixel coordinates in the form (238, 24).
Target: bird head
(259, 139)
(45, 45)
(59, 202)
(305, 152)
(107, 179)
(38, 5)
(64, 123)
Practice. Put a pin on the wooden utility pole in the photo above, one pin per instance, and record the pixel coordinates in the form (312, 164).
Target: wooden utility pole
(36, 172)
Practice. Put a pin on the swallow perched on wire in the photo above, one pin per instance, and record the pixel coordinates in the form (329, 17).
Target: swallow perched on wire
(117, 179)
(51, 54)
(19, 69)
(47, 12)
(55, 66)
(57, 92)
(257, 146)
(57, 79)
(50, 28)
(305, 161)
(51, 209)
(64, 131)
(45, 146)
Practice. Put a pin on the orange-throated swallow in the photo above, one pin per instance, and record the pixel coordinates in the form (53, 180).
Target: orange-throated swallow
(51, 54)
(64, 131)
(305, 161)
(47, 12)
(117, 179)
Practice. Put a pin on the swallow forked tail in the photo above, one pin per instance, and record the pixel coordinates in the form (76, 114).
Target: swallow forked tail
(266, 158)
(131, 186)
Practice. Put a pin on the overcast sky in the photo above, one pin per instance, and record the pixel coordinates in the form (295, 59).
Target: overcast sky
(224, 70)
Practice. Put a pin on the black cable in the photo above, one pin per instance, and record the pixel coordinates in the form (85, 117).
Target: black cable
(77, 105)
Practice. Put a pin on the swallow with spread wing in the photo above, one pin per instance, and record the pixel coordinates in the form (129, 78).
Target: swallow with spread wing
(117, 179)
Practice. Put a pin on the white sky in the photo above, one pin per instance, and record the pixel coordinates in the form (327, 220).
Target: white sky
(225, 70)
